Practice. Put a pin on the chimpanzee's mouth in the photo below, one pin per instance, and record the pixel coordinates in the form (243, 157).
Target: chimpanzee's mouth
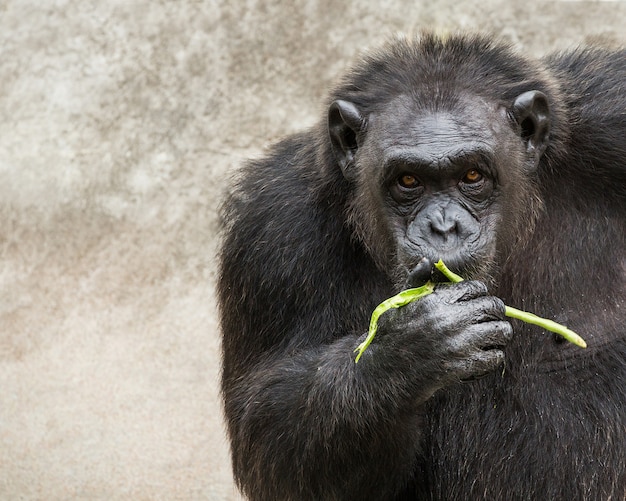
(425, 271)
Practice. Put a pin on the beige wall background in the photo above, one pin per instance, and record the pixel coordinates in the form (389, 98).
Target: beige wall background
(121, 123)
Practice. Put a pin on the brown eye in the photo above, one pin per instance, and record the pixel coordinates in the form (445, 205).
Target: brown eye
(472, 176)
(408, 181)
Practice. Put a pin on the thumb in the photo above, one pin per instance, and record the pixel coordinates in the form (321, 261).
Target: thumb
(420, 274)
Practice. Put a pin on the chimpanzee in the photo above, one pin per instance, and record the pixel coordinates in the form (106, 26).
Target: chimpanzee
(511, 170)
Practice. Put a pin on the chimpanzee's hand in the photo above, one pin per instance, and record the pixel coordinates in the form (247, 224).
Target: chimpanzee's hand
(457, 332)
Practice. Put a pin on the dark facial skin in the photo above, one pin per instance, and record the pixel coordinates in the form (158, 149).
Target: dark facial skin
(437, 182)
(441, 190)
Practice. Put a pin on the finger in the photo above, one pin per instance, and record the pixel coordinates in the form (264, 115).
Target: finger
(479, 364)
(485, 336)
(462, 291)
(489, 308)
(420, 274)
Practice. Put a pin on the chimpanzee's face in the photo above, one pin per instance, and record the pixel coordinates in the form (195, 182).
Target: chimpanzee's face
(447, 182)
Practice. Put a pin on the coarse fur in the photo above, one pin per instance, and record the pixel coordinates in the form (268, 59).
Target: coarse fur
(308, 253)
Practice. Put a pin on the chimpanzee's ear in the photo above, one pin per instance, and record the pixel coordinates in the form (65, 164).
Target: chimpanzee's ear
(345, 123)
(531, 111)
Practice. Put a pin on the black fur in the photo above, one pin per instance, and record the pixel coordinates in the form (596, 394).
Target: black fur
(304, 262)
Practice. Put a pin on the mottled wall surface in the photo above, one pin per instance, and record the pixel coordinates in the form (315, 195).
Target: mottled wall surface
(121, 123)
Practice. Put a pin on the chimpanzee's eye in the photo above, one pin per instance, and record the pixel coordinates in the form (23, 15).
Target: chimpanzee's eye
(472, 176)
(408, 181)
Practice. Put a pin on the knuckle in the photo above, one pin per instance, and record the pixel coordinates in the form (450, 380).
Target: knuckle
(476, 365)
(489, 360)
(492, 307)
(428, 306)
(463, 291)
(500, 332)
(499, 306)
(478, 286)
(493, 358)
(507, 330)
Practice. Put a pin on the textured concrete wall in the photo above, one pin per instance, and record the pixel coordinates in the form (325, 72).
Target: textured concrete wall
(121, 122)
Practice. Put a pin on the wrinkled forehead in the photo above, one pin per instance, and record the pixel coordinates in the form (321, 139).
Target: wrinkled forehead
(434, 132)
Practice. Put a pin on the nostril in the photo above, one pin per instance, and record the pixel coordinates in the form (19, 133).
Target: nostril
(443, 226)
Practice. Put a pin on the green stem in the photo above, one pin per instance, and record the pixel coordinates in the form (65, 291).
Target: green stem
(401, 299)
(524, 316)
(549, 325)
(449, 274)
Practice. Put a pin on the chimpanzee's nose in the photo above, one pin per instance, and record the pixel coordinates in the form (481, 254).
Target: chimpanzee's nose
(443, 224)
